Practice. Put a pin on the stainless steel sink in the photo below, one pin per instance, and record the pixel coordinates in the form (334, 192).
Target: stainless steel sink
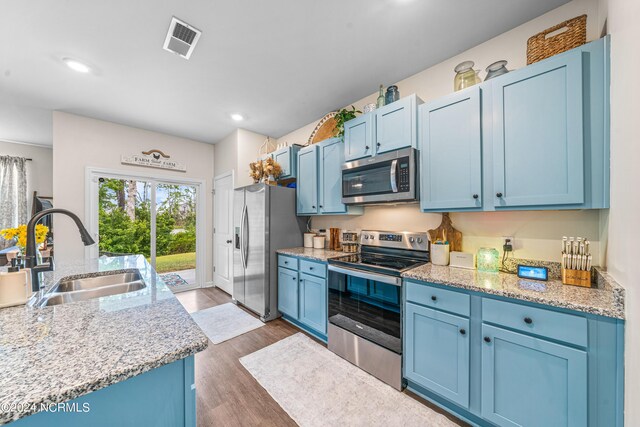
(72, 290)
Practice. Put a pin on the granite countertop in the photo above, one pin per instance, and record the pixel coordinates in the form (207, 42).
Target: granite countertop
(313, 254)
(58, 353)
(606, 298)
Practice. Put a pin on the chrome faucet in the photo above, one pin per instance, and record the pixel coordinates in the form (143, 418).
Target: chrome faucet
(30, 259)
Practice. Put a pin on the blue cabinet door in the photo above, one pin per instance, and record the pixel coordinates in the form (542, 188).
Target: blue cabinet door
(528, 381)
(331, 156)
(313, 302)
(437, 352)
(538, 134)
(288, 292)
(396, 125)
(450, 152)
(307, 184)
(286, 158)
(358, 137)
(283, 158)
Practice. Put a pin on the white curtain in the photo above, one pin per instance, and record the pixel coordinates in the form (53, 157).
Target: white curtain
(13, 193)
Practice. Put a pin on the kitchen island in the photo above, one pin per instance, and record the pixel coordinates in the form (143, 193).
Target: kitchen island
(124, 359)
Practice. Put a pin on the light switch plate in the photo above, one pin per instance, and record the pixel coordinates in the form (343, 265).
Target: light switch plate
(462, 260)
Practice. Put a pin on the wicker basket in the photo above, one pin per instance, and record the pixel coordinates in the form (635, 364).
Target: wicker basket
(544, 45)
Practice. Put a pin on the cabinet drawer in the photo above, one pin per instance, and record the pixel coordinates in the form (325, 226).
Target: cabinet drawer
(539, 321)
(288, 262)
(442, 299)
(314, 268)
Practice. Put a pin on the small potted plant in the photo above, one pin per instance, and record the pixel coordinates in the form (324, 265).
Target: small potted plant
(19, 234)
(343, 116)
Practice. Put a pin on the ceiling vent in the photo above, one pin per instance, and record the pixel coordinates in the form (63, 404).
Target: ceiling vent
(181, 38)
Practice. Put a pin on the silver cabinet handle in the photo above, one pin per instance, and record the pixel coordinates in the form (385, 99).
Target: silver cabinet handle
(392, 176)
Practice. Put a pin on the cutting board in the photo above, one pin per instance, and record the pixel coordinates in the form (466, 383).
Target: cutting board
(446, 232)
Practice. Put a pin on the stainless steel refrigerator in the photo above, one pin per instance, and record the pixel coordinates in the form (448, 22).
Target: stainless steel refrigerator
(264, 220)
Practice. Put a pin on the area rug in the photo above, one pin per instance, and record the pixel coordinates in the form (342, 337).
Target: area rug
(317, 388)
(173, 280)
(226, 321)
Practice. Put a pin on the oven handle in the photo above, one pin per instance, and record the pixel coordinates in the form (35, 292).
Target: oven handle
(382, 278)
(392, 176)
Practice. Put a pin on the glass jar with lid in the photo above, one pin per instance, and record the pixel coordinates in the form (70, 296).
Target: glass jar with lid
(465, 76)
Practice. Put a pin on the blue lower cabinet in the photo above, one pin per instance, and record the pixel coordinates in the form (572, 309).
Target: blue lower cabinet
(437, 352)
(163, 397)
(302, 294)
(495, 361)
(313, 302)
(288, 292)
(528, 381)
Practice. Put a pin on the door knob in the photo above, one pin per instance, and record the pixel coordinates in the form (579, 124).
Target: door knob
(366, 147)
(487, 339)
(378, 144)
(462, 332)
(229, 241)
(498, 195)
(528, 320)
(475, 196)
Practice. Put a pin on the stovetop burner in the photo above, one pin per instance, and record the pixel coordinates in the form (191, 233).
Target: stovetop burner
(389, 262)
(390, 253)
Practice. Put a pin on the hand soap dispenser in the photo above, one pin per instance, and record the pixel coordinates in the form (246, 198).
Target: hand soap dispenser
(14, 286)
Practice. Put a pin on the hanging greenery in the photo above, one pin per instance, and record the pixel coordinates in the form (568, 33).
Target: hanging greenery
(343, 116)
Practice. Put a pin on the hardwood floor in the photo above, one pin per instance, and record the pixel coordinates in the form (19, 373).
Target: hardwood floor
(227, 395)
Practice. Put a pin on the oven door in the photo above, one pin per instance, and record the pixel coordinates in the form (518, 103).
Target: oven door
(388, 177)
(367, 305)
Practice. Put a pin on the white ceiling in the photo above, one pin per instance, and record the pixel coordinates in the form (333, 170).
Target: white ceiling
(281, 63)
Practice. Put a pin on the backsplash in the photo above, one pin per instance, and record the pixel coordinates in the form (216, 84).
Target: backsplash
(537, 234)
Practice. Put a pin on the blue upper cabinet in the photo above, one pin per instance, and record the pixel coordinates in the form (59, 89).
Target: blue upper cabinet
(358, 137)
(538, 143)
(307, 183)
(331, 156)
(286, 158)
(450, 152)
(396, 124)
(319, 185)
(536, 138)
(527, 381)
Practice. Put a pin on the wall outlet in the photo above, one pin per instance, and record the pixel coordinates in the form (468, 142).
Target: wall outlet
(508, 241)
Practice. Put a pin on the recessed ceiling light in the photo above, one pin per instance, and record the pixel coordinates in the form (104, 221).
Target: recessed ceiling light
(237, 117)
(76, 65)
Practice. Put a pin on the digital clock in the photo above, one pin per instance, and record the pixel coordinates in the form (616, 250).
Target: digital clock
(532, 272)
(391, 237)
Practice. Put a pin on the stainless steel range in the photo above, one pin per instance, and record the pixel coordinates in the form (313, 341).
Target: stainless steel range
(365, 301)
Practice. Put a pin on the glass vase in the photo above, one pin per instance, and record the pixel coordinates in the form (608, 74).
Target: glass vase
(488, 260)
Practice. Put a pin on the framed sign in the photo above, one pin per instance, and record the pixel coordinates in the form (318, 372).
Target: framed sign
(153, 159)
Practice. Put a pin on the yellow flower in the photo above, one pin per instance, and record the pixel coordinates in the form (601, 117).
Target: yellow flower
(19, 233)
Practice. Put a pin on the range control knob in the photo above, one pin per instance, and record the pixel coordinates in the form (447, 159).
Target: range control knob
(366, 237)
(419, 240)
(411, 239)
(372, 237)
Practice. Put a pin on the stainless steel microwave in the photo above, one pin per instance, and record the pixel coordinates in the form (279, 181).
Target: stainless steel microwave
(386, 178)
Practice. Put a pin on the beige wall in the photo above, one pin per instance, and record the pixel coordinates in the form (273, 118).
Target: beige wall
(536, 233)
(235, 152)
(226, 154)
(623, 253)
(39, 170)
(81, 142)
